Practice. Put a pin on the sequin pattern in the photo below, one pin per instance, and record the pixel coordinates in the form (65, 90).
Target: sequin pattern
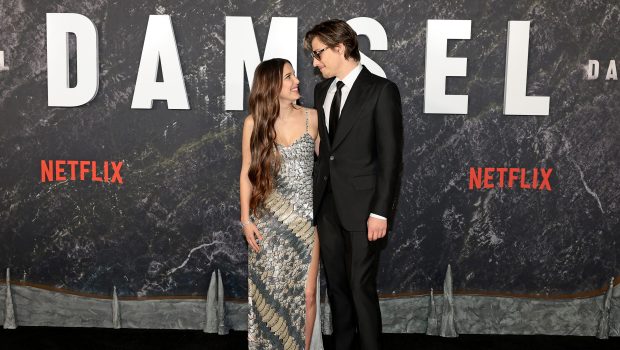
(277, 274)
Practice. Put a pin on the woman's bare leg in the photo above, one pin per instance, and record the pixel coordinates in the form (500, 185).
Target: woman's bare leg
(311, 305)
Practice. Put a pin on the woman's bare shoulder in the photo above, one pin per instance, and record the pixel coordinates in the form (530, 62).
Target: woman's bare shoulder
(312, 112)
(249, 121)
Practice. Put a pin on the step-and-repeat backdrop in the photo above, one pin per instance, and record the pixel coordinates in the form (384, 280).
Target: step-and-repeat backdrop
(121, 130)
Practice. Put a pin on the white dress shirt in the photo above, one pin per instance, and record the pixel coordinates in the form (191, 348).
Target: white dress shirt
(348, 83)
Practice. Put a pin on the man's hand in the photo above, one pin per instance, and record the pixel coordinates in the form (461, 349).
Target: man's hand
(376, 228)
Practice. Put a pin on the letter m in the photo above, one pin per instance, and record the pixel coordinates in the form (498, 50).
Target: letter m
(242, 51)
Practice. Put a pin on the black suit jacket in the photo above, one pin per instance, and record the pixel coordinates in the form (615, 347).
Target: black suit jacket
(364, 161)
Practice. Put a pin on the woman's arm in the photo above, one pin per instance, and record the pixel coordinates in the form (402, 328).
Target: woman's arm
(314, 129)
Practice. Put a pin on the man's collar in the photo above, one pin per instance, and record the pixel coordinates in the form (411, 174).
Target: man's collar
(351, 77)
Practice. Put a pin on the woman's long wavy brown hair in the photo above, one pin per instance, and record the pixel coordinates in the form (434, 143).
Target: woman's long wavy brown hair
(264, 106)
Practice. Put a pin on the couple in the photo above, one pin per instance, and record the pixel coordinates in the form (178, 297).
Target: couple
(356, 131)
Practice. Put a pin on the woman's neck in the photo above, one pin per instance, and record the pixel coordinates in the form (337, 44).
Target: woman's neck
(286, 108)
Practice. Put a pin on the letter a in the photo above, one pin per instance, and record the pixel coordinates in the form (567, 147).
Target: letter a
(160, 47)
(612, 72)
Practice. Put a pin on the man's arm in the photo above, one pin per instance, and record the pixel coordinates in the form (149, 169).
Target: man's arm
(389, 142)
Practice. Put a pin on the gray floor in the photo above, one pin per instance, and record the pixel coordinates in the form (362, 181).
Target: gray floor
(102, 338)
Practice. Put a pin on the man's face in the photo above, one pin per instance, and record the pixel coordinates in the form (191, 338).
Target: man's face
(326, 59)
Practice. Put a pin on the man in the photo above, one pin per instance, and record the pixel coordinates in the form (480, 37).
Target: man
(360, 156)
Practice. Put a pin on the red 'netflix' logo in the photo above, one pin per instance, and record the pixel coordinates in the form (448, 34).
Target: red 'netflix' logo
(537, 179)
(61, 170)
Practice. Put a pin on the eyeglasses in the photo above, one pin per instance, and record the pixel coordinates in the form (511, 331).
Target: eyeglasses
(317, 54)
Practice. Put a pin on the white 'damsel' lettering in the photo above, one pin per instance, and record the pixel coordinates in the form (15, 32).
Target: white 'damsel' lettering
(59, 93)
(2, 66)
(242, 51)
(160, 48)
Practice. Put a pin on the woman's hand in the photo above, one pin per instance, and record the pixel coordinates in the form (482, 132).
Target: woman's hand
(250, 231)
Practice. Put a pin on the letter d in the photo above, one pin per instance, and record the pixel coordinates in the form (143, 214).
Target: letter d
(592, 70)
(59, 94)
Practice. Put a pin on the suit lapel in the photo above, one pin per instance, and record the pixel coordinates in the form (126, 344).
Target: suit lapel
(319, 107)
(352, 107)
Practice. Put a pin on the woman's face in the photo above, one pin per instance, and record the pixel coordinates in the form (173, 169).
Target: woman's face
(290, 84)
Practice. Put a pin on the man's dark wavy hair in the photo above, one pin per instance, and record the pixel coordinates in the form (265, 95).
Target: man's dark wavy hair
(332, 33)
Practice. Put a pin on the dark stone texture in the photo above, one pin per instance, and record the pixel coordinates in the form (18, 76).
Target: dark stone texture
(173, 221)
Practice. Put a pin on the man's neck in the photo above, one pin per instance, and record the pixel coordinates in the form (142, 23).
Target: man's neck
(347, 67)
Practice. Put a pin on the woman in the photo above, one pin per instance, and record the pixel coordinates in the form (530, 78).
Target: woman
(276, 212)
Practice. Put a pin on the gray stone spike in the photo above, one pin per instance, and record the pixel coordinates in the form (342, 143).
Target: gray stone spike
(221, 310)
(326, 317)
(448, 328)
(603, 325)
(431, 325)
(211, 308)
(116, 311)
(9, 309)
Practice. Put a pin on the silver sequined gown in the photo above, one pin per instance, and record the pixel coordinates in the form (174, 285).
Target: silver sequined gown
(277, 275)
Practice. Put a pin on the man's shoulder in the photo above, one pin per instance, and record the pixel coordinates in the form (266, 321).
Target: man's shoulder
(374, 79)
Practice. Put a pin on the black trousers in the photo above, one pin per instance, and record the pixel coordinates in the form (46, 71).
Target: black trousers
(350, 262)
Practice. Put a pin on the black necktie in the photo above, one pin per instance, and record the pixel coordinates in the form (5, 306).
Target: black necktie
(334, 111)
